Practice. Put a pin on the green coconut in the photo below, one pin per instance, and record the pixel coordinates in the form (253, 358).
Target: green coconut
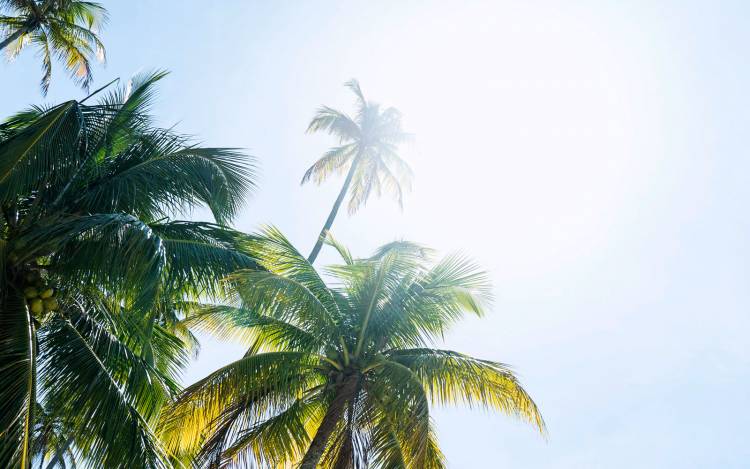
(37, 306)
(51, 304)
(30, 292)
(47, 293)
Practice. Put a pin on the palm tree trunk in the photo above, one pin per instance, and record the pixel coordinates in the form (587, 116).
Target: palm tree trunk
(334, 210)
(332, 417)
(8, 40)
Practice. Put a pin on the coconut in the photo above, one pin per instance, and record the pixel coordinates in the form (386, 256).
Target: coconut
(47, 293)
(37, 306)
(51, 304)
(30, 292)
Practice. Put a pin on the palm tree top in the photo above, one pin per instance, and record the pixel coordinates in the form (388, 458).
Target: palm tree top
(63, 29)
(369, 139)
(340, 373)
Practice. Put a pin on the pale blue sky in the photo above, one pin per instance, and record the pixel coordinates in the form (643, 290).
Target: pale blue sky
(592, 155)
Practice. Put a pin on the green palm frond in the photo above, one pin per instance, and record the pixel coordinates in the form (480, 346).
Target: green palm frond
(159, 173)
(345, 254)
(279, 440)
(454, 378)
(285, 299)
(263, 332)
(408, 409)
(18, 358)
(259, 383)
(81, 367)
(109, 249)
(131, 107)
(198, 255)
(429, 300)
(38, 150)
(276, 254)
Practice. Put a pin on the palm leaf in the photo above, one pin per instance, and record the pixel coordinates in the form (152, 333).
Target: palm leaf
(18, 351)
(454, 378)
(81, 368)
(39, 152)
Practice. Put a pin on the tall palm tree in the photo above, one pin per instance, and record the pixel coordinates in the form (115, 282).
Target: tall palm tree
(66, 29)
(92, 264)
(340, 375)
(367, 152)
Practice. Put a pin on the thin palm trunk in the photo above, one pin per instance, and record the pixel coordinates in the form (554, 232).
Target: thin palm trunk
(328, 425)
(334, 210)
(9, 40)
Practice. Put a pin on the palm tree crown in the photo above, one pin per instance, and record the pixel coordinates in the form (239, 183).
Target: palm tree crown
(92, 266)
(65, 29)
(367, 152)
(340, 375)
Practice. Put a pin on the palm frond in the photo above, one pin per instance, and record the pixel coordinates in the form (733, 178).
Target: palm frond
(18, 353)
(115, 250)
(453, 378)
(405, 412)
(42, 42)
(425, 303)
(256, 381)
(249, 328)
(81, 367)
(335, 123)
(275, 253)
(159, 174)
(198, 255)
(278, 440)
(73, 52)
(39, 151)
(336, 160)
(346, 256)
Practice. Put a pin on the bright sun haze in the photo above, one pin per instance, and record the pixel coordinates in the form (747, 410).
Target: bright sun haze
(591, 155)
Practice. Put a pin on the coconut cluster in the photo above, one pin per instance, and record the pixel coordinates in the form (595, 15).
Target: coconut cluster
(40, 297)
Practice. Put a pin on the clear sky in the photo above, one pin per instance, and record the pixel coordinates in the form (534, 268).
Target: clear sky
(592, 155)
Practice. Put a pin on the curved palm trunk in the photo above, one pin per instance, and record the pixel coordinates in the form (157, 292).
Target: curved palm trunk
(9, 40)
(332, 417)
(334, 211)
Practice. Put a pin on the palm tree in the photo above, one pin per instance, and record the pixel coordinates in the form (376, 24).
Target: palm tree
(340, 375)
(367, 152)
(66, 29)
(92, 265)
